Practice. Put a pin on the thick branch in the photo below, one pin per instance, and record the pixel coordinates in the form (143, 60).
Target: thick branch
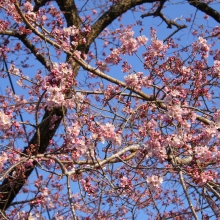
(12, 185)
(132, 148)
(70, 12)
(108, 17)
(38, 4)
(205, 8)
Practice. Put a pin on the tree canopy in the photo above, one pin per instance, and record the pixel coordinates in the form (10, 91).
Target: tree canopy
(109, 109)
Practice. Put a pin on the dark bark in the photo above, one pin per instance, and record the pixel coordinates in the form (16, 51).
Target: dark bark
(206, 9)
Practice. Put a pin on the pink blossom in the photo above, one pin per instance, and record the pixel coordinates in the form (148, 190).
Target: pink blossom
(125, 182)
(186, 71)
(117, 140)
(78, 53)
(45, 191)
(126, 35)
(126, 67)
(55, 97)
(72, 30)
(27, 6)
(142, 40)
(158, 46)
(206, 17)
(103, 66)
(107, 132)
(132, 81)
(114, 57)
(154, 181)
(201, 47)
(204, 177)
(216, 68)
(205, 154)
(14, 70)
(3, 159)
(129, 46)
(176, 112)
(73, 131)
(5, 120)
(94, 11)
(176, 141)
(87, 186)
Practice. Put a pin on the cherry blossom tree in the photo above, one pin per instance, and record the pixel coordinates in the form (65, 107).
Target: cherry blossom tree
(102, 117)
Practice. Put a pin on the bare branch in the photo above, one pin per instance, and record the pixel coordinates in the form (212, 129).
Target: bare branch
(187, 196)
(70, 12)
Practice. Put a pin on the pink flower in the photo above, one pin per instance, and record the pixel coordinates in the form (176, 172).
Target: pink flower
(125, 182)
(102, 66)
(175, 111)
(129, 46)
(72, 31)
(132, 81)
(216, 68)
(14, 70)
(142, 40)
(154, 181)
(126, 67)
(94, 11)
(107, 132)
(87, 186)
(5, 121)
(158, 46)
(27, 6)
(55, 97)
(201, 47)
(3, 159)
(114, 57)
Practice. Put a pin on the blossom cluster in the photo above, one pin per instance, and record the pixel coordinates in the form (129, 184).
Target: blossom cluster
(129, 45)
(5, 121)
(216, 68)
(125, 182)
(204, 177)
(3, 159)
(154, 181)
(55, 97)
(137, 80)
(87, 186)
(201, 47)
(107, 132)
(207, 155)
(57, 83)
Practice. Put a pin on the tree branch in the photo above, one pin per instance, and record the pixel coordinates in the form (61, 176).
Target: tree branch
(108, 17)
(70, 12)
(38, 4)
(206, 9)
(9, 189)
(187, 196)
